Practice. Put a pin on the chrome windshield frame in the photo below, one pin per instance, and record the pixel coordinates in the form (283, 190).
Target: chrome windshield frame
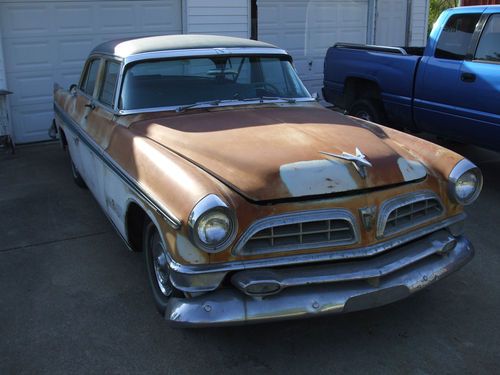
(197, 53)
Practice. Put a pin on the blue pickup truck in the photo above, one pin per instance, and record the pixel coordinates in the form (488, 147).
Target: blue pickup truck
(450, 88)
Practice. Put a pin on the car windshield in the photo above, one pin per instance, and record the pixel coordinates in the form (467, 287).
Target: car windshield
(185, 81)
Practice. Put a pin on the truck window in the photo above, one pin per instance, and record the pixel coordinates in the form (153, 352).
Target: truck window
(455, 38)
(108, 87)
(489, 45)
(90, 78)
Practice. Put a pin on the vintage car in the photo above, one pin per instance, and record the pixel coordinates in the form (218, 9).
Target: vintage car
(250, 201)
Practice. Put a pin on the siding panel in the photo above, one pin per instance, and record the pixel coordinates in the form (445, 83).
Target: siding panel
(223, 17)
(419, 20)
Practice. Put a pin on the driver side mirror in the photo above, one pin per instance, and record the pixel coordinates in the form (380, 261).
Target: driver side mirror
(315, 96)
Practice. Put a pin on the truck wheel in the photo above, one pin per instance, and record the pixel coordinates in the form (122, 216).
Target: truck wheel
(77, 177)
(368, 110)
(157, 268)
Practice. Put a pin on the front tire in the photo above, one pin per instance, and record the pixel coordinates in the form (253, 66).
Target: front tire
(368, 110)
(157, 267)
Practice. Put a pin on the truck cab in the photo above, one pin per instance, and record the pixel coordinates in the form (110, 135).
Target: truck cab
(451, 88)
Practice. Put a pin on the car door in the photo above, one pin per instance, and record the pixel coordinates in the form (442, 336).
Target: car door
(78, 109)
(438, 99)
(101, 124)
(479, 87)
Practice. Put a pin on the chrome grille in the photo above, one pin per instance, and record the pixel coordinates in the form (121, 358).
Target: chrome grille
(408, 211)
(298, 231)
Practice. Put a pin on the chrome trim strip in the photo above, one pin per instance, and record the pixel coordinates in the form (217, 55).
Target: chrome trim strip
(228, 306)
(173, 221)
(402, 200)
(229, 103)
(295, 218)
(318, 257)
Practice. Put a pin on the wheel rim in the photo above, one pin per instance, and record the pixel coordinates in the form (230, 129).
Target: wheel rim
(364, 115)
(160, 264)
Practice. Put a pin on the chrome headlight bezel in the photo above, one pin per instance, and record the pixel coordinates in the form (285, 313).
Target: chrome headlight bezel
(205, 206)
(464, 166)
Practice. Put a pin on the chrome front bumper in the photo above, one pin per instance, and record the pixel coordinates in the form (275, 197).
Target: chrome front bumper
(328, 293)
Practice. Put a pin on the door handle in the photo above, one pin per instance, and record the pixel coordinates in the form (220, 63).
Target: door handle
(468, 77)
(90, 105)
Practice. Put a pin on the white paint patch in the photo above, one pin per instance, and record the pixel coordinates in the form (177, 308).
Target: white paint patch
(188, 251)
(317, 177)
(411, 170)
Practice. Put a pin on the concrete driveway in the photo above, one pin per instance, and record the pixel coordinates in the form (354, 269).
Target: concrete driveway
(74, 300)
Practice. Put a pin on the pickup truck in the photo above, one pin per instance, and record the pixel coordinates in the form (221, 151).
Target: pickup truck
(450, 88)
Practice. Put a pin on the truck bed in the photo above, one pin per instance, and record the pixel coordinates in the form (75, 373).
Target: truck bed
(392, 69)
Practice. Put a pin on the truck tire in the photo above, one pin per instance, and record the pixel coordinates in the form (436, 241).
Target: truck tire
(368, 110)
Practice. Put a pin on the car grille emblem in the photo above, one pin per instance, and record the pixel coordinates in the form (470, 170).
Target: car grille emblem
(359, 160)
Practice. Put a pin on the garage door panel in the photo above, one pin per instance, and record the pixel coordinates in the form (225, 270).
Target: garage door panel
(30, 88)
(31, 123)
(48, 41)
(306, 29)
(20, 21)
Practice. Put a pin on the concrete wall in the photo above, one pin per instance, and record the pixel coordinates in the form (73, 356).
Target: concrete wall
(223, 17)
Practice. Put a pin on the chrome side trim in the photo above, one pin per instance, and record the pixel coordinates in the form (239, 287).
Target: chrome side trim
(173, 221)
(228, 306)
(295, 218)
(318, 257)
(390, 205)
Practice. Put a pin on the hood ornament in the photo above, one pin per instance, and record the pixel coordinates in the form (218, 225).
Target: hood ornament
(359, 160)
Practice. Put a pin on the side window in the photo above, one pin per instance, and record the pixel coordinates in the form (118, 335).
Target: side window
(456, 36)
(90, 79)
(108, 87)
(488, 48)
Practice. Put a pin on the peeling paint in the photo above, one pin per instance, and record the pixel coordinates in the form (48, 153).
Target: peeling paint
(188, 251)
(411, 170)
(317, 177)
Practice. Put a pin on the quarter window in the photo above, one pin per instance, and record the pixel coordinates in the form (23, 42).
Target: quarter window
(489, 45)
(91, 77)
(455, 38)
(108, 87)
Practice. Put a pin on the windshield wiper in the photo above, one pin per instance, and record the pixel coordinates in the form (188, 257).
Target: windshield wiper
(263, 98)
(211, 103)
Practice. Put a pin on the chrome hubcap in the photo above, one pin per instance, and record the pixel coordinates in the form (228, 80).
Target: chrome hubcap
(160, 264)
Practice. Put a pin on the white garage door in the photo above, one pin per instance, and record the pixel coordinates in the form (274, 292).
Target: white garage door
(47, 41)
(306, 28)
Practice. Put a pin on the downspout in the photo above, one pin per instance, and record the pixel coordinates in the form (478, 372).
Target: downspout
(408, 35)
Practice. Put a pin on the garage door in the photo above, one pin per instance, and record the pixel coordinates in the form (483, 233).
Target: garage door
(307, 28)
(47, 41)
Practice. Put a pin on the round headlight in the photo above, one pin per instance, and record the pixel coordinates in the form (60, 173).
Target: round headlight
(466, 182)
(212, 224)
(213, 228)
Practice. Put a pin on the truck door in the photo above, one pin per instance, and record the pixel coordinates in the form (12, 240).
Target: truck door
(438, 98)
(479, 87)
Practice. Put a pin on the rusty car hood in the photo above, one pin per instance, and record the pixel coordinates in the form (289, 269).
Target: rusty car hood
(274, 152)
